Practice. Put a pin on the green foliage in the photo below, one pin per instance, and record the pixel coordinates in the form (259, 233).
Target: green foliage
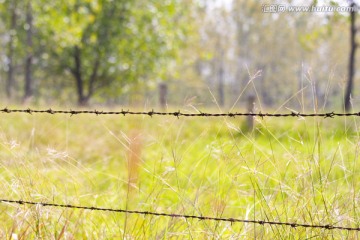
(127, 47)
(132, 40)
(127, 42)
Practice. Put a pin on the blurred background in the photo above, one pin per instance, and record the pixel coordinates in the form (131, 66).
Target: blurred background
(203, 53)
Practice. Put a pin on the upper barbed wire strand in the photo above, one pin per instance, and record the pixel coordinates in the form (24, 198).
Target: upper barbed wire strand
(179, 113)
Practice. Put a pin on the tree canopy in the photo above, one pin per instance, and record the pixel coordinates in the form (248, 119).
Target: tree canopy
(104, 45)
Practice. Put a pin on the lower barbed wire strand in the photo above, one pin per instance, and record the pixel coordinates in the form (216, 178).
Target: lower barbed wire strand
(231, 220)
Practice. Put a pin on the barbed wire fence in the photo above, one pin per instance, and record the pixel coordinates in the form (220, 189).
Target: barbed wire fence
(181, 114)
(171, 215)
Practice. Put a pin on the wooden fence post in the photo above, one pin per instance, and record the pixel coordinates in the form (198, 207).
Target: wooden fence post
(250, 109)
(163, 95)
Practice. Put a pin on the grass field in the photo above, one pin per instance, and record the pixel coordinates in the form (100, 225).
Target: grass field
(288, 169)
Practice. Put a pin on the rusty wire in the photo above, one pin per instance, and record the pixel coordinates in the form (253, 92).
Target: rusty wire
(161, 214)
(179, 113)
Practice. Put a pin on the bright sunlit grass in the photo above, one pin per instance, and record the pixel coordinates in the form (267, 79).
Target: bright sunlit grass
(289, 169)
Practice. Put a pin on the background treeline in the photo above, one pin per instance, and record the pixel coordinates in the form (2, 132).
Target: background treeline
(118, 52)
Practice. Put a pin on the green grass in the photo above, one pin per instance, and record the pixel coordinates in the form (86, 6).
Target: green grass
(288, 169)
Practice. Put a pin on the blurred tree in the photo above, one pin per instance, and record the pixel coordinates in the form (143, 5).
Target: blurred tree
(105, 45)
(353, 46)
(18, 33)
(28, 91)
(11, 47)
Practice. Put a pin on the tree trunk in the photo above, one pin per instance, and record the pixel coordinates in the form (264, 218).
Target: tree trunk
(250, 108)
(353, 47)
(10, 79)
(83, 97)
(93, 77)
(221, 79)
(82, 100)
(163, 95)
(29, 53)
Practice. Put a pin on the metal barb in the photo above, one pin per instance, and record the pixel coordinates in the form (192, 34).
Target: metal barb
(72, 112)
(177, 114)
(151, 113)
(329, 115)
(124, 112)
(232, 115)
(261, 115)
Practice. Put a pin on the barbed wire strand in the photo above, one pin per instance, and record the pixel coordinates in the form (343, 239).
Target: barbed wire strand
(179, 113)
(231, 220)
